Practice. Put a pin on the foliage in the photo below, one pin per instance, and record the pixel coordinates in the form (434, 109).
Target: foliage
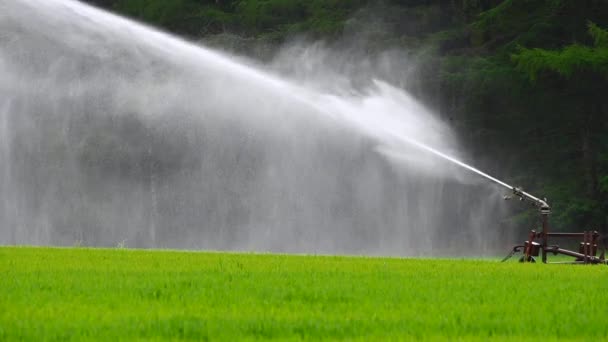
(572, 59)
(554, 125)
(246, 17)
(604, 184)
(586, 70)
(93, 294)
(600, 36)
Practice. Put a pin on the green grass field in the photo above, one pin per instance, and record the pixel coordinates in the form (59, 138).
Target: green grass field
(62, 294)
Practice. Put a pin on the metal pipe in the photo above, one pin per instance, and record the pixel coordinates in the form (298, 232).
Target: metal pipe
(545, 235)
(541, 204)
(591, 259)
(585, 243)
(565, 234)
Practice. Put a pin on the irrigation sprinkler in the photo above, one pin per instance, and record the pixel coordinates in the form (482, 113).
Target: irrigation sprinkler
(538, 242)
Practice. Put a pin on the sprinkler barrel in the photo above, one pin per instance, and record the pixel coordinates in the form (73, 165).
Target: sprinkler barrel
(524, 196)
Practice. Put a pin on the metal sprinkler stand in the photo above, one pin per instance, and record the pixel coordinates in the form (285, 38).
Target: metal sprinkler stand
(538, 242)
(532, 248)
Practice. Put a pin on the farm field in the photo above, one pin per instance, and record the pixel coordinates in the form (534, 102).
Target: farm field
(122, 294)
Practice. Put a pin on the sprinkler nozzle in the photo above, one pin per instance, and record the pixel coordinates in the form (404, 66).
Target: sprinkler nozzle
(541, 204)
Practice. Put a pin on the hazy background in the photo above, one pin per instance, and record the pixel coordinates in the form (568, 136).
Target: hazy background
(114, 134)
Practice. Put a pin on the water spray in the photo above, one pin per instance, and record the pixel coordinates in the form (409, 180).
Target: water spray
(115, 130)
(84, 100)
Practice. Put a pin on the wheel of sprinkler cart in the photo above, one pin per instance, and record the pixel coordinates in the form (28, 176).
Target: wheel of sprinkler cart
(530, 259)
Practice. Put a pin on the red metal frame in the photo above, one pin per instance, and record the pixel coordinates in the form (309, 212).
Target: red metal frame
(587, 253)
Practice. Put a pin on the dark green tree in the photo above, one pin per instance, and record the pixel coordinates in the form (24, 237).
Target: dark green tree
(578, 77)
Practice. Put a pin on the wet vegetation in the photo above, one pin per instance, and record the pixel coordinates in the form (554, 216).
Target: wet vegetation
(76, 294)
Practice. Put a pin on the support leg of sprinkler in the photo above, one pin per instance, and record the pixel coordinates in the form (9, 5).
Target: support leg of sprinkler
(528, 259)
(544, 212)
(528, 249)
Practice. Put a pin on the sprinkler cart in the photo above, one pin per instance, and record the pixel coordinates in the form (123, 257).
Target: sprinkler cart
(538, 242)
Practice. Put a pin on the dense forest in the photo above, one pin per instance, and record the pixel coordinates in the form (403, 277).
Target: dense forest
(524, 82)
